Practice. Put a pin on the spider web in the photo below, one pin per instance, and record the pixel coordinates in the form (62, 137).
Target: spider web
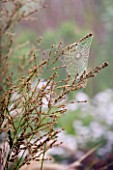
(76, 56)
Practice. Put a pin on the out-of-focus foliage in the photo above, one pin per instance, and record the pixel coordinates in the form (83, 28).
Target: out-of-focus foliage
(101, 50)
(85, 15)
(91, 123)
(23, 43)
(67, 33)
(107, 46)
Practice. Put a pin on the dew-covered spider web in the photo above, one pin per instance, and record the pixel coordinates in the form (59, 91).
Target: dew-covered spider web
(75, 56)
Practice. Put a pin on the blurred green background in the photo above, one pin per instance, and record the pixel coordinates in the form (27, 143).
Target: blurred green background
(67, 21)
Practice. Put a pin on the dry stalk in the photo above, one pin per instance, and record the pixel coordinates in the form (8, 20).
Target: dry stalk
(27, 122)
